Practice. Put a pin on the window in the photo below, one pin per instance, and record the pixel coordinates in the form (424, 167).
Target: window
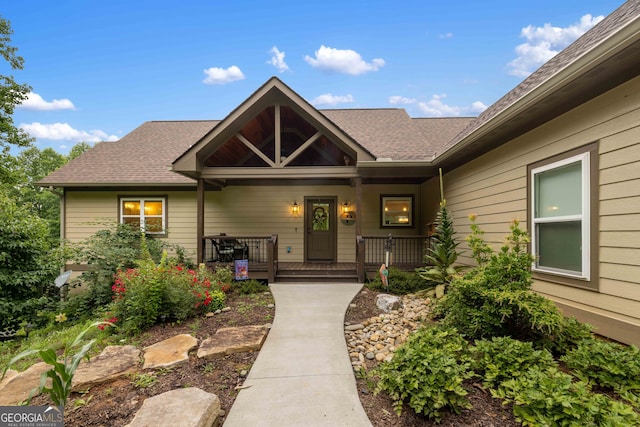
(396, 211)
(147, 213)
(561, 229)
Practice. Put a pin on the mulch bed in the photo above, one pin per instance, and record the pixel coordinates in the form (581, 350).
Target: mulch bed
(115, 404)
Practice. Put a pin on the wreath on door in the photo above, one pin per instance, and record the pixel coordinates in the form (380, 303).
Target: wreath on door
(320, 218)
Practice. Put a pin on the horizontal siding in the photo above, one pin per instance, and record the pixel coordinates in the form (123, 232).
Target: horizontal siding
(265, 210)
(88, 212)
(620, 239)
(493, 186)
(242, 211)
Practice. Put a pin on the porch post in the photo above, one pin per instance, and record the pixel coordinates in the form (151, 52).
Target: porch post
(359, 242)
(200, 220)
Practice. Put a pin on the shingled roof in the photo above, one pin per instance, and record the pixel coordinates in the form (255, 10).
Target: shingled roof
(595, 36)
(391, 133)
(140, 157)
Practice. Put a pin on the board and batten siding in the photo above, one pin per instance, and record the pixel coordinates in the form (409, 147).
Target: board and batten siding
(494, 187)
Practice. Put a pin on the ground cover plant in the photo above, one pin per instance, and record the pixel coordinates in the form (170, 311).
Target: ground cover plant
(494, 329)
(400, 282)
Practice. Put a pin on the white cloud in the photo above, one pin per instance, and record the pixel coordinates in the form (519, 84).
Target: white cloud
(329, 99)
(36, 103)
(343, 61)
(445, 36)
(220, 76)
(277, 60)
(436, 107)
(401, 100)
(543, 43)
(62, 131)
(478, 107)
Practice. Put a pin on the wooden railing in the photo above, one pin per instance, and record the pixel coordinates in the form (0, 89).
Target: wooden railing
(260, 251)
(400, 251)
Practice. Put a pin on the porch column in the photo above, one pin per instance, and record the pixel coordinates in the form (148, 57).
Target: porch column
(200, 221)
(359, 242)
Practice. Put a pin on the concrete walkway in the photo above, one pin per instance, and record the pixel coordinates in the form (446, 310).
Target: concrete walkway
(303, 375)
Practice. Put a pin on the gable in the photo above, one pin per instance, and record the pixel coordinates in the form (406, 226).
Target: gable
(278, 135)
(273, 128)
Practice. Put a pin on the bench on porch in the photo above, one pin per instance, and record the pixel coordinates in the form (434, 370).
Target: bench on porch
(261, 252)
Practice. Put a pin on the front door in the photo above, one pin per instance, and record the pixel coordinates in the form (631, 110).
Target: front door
(320, 223)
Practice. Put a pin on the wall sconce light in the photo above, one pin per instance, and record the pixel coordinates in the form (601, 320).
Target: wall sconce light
(346, 207)
(295, 208)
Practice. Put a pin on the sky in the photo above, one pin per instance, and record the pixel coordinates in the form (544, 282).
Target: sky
(99, 69)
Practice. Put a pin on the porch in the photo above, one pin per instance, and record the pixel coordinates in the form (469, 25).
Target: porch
(261, 254)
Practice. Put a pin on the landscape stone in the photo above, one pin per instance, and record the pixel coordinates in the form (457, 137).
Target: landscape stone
(184, 407)
(387, 303)
(8, 376)
(355, 327)
(170, 352)
(381, 335)
(20, 386)
(233, 340)
(115, 361)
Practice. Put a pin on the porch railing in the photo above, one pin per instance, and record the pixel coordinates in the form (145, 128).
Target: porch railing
(260, 251)
(403, 251)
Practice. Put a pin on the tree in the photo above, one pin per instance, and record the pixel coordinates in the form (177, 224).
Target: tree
(32, 165)
(443, 253)
(11, 94)
(78, 149)
(28, 266)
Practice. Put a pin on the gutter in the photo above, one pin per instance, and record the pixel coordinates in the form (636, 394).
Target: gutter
(388, 162)
(617, 41)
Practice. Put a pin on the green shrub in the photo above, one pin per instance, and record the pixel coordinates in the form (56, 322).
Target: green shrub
(441, 256)
(608, 364)
(571, 333)
(495, 299)
(246, 287)
(165, 292)
(106, 252)
(401, 282)
(503, 358)
(551, 398)
(427, 373)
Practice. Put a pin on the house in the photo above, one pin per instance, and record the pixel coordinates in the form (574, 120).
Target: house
(284, 185)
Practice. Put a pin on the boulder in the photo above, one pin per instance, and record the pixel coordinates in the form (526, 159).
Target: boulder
(233, 340)
(386, 302)
(184, 407)
(20, 385)
(170, 352)
(114, 362)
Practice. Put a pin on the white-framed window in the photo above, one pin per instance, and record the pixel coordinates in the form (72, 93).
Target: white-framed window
(561, 217)
(147, 213)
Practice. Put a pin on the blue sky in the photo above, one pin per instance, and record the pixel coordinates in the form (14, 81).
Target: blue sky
(99, 69)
